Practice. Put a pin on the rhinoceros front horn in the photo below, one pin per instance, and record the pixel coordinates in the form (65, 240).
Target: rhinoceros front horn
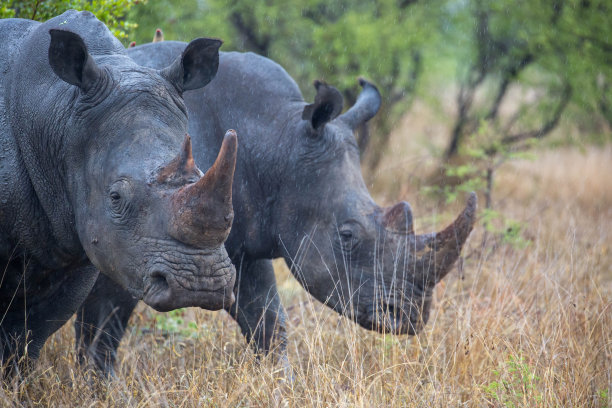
(202, 211)
(434, 254)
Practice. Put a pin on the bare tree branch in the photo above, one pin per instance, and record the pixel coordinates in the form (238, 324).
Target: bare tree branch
(509, 75)
(465, 98)
(35, 9)
(248, 32)
(548, 126)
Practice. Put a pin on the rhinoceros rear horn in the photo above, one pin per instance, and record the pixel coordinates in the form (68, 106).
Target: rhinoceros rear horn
(398, 218)
(158, 36)
(196, 67)
(367, 105)
(202, 211)
(70, 60)
(436, 253)
(182, 169)
(327, 105)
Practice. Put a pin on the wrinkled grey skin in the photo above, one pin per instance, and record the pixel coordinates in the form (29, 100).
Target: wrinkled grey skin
(84, 132)
(298, 194)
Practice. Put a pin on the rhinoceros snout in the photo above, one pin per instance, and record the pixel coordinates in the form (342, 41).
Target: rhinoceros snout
(168, 290)
(398, 316)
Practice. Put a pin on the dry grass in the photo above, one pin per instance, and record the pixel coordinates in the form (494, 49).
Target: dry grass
(525, 327)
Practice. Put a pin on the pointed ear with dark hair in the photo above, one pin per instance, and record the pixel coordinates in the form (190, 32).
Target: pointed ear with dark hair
(70, 60)
(196, 67)
(326, 107)
(367, 104)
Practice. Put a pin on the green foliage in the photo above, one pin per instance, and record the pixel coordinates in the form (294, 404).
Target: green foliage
(517, 384)
(476, 173)
(6, 12)
(110, 12)
(173, 323)
(509, 231)
(334, 41)
(558, 51)
(604, 398)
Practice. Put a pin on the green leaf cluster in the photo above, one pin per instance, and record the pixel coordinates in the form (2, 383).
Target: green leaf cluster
(173, 322)
(553, 51)
(516, 384)
(111, 12)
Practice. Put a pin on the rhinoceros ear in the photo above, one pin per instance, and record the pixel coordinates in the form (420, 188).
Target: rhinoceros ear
(327, 105)
(368, 103)
(70, 60)
(196, 67)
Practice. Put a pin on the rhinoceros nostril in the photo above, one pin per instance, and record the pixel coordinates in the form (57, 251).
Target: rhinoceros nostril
(390, 312)
(394, 319)
(159, 281)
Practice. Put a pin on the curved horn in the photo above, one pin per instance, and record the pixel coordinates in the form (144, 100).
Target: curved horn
(182, 169)
(398, 219)
(365, 108)
(436, 253)
(202, 211)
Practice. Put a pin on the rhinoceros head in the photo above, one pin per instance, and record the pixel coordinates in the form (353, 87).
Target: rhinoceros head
(364, 261)
(145, 214)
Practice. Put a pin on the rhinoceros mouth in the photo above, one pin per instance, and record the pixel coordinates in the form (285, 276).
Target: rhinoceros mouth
(398, 320)
(400, 315)
(164, 293)
(177, 278)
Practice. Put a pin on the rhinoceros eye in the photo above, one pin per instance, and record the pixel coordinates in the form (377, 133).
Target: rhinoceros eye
(348, 236)
(116, 203)
(119, 195)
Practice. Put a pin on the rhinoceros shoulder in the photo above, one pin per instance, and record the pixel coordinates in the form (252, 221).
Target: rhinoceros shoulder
(250, 70)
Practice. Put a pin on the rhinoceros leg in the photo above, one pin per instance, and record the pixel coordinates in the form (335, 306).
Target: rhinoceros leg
(49, 304)
(101, 323)
(103, 318)
(258, 309)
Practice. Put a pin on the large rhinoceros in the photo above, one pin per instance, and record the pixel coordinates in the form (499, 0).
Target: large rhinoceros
(298, 194)
(96, 167)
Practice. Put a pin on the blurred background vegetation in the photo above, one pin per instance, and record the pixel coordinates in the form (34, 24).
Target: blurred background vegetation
(513, 71)
(467, 86)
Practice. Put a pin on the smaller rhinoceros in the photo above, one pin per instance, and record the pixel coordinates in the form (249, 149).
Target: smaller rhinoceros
(298, 194)
(96, 167)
